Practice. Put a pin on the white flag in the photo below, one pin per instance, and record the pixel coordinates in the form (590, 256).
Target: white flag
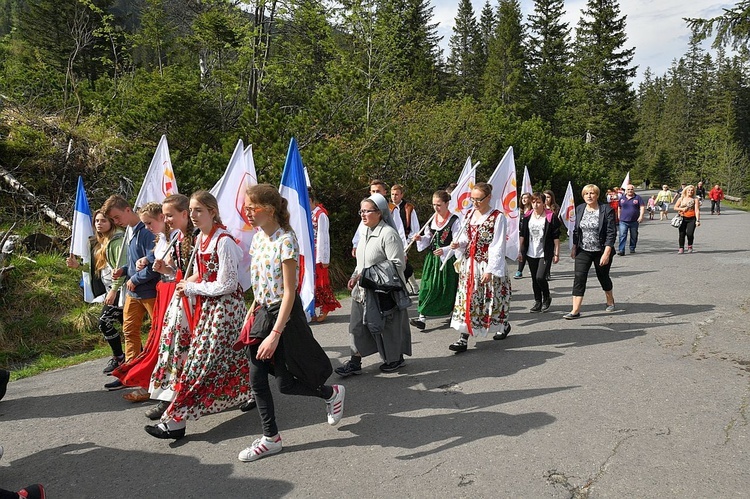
(526, 186)
(626, 182)
(294, 189)
(159, 181)
(230, 194)
(461, 196)
(568, 213)
(83, 231)
(505, 199)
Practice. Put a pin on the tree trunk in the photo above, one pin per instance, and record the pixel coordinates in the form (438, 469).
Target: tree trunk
(18, 187)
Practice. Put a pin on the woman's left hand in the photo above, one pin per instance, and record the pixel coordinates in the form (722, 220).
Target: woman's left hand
(438, 252)
(180, 289)
(555, 259)
(486, 278)
(604, 260)
(268, 347)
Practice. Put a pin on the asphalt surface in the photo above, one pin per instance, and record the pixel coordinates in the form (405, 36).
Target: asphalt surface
(649, 401)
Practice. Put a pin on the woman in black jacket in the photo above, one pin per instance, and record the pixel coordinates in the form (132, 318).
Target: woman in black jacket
(539, 240)
(593, 243)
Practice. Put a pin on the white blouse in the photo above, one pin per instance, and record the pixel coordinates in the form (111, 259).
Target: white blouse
(229, 254)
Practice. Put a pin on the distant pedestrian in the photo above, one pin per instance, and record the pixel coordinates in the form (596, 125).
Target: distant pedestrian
(700, 191)
(688, 205)
(593, 243)
(630, 211)
(651, 207)
(717, 195)
(524, 209)
(663, 200)
(325, 299)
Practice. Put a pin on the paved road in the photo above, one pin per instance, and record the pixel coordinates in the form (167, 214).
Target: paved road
(650, 401)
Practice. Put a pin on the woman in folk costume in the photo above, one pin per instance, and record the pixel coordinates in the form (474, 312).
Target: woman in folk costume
(175, 332)
(483, 297)
(214, 375)
(437, 291)
(324, 297)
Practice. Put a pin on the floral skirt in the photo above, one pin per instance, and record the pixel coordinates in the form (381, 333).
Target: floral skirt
(488, 304)
(214, 376)
(324, 297)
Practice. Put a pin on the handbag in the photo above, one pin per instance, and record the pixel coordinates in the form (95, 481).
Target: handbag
(676, 221)
(382, 276)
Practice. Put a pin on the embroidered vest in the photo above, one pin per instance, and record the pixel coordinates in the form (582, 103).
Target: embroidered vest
(481, 237)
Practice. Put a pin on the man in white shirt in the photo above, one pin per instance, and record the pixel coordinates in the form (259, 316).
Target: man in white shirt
(405, 212)
(378, 186)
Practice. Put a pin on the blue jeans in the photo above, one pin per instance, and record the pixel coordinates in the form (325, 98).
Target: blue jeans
(624, 228)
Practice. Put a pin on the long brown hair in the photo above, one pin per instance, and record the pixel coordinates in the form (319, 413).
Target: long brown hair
(209, 201)
(267, 195)
(102, 241)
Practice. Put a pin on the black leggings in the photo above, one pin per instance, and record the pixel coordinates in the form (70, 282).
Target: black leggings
(110, 315)
(687, 228)
(287, 383)
(584, 259)
(539, 268)
(7, 494)
(521, 265)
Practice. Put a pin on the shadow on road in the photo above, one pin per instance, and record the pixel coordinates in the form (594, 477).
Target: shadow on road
(88, 470)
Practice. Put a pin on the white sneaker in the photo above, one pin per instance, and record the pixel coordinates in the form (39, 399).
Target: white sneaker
(335, 405)
(261, 447)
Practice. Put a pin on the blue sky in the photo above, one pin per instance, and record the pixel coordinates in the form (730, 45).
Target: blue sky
(654, 27)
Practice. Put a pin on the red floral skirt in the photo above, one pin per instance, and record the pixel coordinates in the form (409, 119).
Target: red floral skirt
(324, 297)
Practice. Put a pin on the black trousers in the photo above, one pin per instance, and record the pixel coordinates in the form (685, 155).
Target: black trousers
(584, 259)
(286, 382)
(539, 268)
(110, 315)
(687, 228)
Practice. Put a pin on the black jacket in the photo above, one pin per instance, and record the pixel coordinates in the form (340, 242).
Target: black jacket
(607, 226)
(551, 232)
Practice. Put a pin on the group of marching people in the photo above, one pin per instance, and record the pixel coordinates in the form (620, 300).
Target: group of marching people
(206, 352)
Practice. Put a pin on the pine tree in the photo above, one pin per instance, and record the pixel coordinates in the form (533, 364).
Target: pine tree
(601, 98)
(549, 58)
(465, 46)
(505, 77)
(487, 23)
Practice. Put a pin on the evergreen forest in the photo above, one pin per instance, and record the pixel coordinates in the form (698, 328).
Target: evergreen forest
(87, 87)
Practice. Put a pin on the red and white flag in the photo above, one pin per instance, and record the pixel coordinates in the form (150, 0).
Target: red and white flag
(461, 195)
(568, 213)
(230, 194)
(505, 199)
(159, 181)
(526, 185)
(293, 188)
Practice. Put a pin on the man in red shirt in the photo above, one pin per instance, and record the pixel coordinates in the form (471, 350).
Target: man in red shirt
(716, 195)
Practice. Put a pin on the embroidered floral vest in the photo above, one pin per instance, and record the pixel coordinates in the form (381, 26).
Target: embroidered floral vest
(208, 264)
(481, 236)
(444, 236)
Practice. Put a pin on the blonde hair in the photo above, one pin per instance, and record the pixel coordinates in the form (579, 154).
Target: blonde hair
(591, 187)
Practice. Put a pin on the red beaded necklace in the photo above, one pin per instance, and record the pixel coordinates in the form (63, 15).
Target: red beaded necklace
(205, 241)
